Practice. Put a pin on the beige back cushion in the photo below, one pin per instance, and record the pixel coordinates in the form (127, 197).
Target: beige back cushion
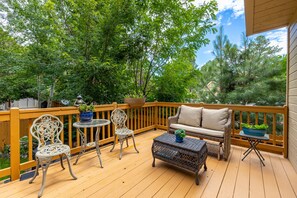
(214, 118)
(190, 116)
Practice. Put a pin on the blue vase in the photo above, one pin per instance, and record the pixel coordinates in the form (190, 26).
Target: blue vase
(178, 139)
(86, 116)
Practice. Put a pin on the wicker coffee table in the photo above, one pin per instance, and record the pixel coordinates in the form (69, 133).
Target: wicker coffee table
(190, 155)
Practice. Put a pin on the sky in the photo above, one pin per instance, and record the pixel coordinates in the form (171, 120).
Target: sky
(230, 15)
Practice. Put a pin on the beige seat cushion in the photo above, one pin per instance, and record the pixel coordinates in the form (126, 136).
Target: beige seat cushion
(198, 130)
(190, 116)
(214, 118)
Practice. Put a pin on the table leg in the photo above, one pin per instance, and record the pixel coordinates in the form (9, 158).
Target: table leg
(258, 152)
(260, 158)
(83, 145)
(245, 155)
(205, 167)
(248, 150)
(153, 165)
(97, 145)
(196, 178)
(253, 146)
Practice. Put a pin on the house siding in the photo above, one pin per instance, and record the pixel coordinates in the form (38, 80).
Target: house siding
(292, 92)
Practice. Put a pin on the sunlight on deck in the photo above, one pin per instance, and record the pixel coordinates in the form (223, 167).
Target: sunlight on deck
(134, 176)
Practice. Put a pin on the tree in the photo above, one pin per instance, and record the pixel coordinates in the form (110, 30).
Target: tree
(244, 75)
(175, 81)
(163, 30)
(102, 49)
(13, 83)
(35, 25)
(260, 69)
(225, 54)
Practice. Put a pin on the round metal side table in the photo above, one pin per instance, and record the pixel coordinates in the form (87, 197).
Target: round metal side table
(98, 123)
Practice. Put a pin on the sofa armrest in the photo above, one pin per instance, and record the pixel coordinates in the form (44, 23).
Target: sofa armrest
(227, 126)
(173, 119)
(227, 136)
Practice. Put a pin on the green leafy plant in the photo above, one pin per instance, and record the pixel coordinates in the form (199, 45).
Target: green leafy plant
(86, 108)
(134, 94)
(259, 127)
(180, 132)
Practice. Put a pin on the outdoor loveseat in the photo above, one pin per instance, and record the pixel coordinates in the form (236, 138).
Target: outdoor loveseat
(211, 124)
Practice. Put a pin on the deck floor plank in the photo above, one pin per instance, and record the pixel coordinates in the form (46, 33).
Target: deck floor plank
(269, 180)
(283, 182)
(204, 178)
(170, 186)
(226, 189)
(242, 183)
(215, 182)
(113, 173)
(291, 174)
(134, 176)
(145, 182)
(87, 163)
(184, 186)
(120, 185)
(89, 172)
(152, 189)
(256, 178)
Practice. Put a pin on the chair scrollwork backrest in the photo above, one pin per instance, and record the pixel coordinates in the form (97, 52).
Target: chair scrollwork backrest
(47, 129)
(118, 118)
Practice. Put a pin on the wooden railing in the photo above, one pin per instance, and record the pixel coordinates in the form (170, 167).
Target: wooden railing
(152, 115)
(275, 117)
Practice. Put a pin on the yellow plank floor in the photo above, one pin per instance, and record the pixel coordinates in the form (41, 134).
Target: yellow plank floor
(134, 176)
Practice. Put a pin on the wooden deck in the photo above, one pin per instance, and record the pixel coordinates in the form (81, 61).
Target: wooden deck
(134, 176)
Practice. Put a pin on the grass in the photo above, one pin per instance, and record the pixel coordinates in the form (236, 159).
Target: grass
(5, 163)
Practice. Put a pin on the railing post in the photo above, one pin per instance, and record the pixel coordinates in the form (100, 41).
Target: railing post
(156, 115)
(14, 143)
(285, 135)
(115, 105)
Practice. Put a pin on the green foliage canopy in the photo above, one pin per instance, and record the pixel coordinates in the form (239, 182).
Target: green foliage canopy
(102, 49)
(252, 73)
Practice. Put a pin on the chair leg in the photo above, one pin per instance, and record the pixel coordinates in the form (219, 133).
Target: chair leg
(134, 143)
(61, 161)
(69, 165)
(44, 166)
(219, 153)
(127, 141)
(121, 148)
(36, 171)
(114, 142)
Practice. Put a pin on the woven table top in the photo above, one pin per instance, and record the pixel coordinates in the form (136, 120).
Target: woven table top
(190, 144)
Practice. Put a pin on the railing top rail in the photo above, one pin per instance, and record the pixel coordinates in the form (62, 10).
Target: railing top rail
(5, 116)
(33, 113)
(267, 109)
(147, 104)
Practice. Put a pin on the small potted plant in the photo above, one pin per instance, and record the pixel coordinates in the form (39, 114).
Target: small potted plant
(179, 135)
(86, 112)
(255, 130)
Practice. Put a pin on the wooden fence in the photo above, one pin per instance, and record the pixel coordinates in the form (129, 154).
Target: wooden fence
(152, 115)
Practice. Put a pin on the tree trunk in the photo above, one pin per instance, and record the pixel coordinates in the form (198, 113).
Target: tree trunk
(51, 95)
(38, 91)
